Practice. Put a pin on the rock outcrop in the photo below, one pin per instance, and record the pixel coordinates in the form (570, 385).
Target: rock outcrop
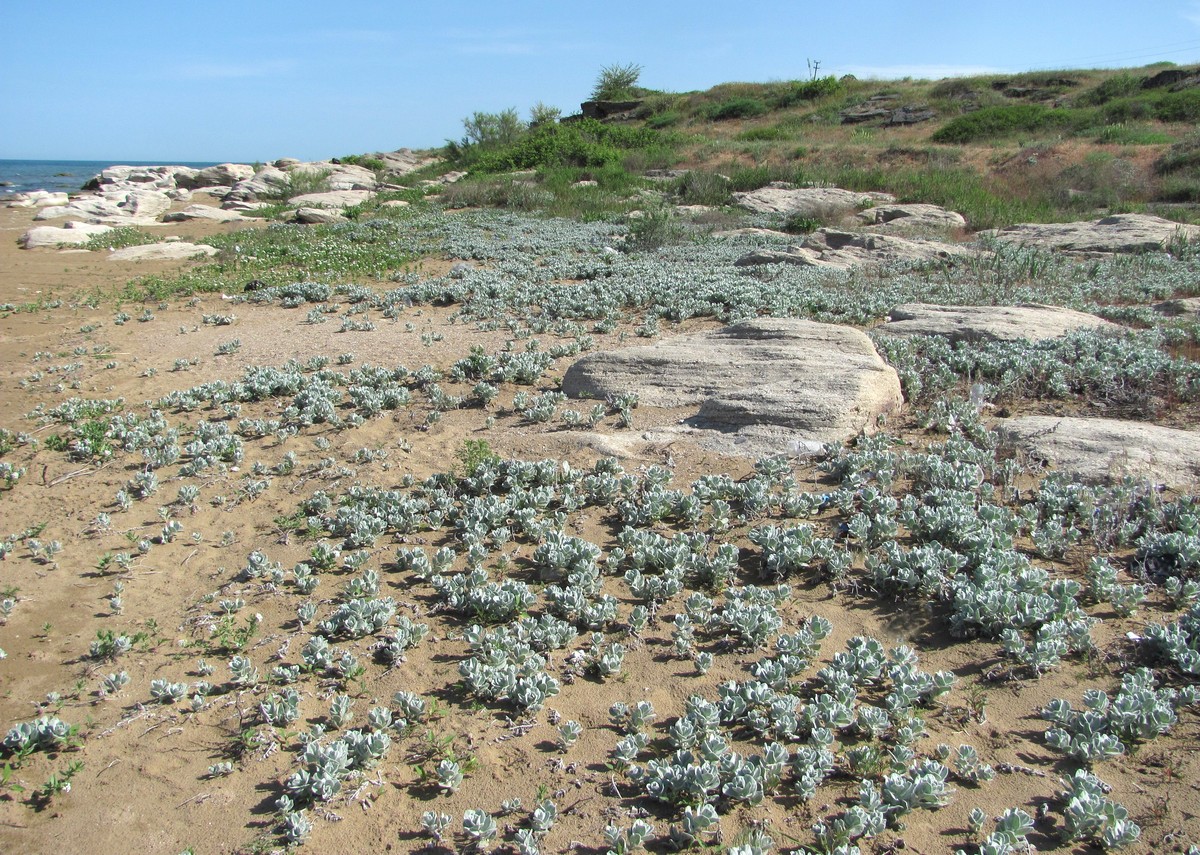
(843, 250)
(112, 207)
(317, 216)
(988, 323)
(815, 202)
(1115, 234)
(1105, 450)
(761, 386)
(911, 217)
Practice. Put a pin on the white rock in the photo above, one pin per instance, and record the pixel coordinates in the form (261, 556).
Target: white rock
(817, 202)
(203, 212)
(989, 323)
(911, 218)
(331, 199)
(843, 250)
(755, 387)
(316, 216)
(1118, 233)
(72, 233)
(178, 251)
(38, 199)
(1105, 450)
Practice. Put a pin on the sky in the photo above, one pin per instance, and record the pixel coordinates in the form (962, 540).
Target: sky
(256, 80)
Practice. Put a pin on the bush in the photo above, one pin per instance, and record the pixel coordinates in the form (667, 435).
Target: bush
(1119, 86)
(1183, 155)
(702, 188)
(664, 120)
(586, 143)
(807, 90)
(1179, 106)
(991, 122)
(735, 108)
(616, 82)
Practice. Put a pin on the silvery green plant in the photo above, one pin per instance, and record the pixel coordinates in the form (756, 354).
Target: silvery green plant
(479, 827)
(166, 692)
(436, 824)
(281, 709)
(46, 733)
(623, 841)
(1108, 726)
(1089, 815)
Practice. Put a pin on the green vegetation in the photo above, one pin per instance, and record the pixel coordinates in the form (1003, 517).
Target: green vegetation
(616, 82)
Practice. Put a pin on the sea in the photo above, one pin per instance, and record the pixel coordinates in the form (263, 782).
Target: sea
(20, 176)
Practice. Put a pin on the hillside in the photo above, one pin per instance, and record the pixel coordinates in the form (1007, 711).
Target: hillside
(1037, 146)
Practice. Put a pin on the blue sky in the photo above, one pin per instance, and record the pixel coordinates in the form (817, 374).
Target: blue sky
(260, 79)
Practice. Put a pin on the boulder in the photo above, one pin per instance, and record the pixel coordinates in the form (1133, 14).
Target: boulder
(144, 177)
(38, 199)
(315, 216)
(816, 202)
(1105, 450)
(1115, 234)
(843, 250)
(72, 233)
(268, 181)
(989, 323)
(221, 175)
(331, 199)
(760, 386)
(912, 217)
(203, 212)
(175, 251)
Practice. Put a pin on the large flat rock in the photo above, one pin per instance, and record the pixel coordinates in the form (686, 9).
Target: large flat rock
(1115, 234)
(988, 323)
(762, 386)
(173, 251)
(912, 218)
(203, 212)
(331, 199)
(816, 202)
(72, 233)
(843, 250)
(1105, 450)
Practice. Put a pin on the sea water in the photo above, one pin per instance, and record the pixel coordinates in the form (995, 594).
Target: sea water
(20, 176)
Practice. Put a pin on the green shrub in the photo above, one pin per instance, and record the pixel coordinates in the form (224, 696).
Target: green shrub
(1179, 106)
(702, 188)
(807, 90)
(990, 122)
(616, 82)
(586, 143)
(664, 120)
(1179, 188)
(735, 108)
(797, 224)
(1118, 86)
(366, 162)
(1183, 155)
